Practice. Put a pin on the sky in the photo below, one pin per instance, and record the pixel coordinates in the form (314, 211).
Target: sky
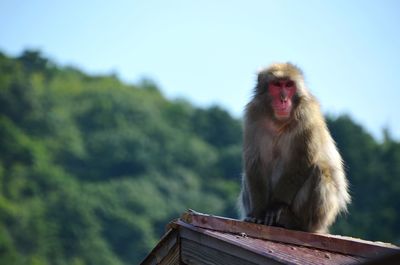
(209, 52)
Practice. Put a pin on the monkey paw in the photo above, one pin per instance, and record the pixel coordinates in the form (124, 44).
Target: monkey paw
(251, 219)
(275, 214)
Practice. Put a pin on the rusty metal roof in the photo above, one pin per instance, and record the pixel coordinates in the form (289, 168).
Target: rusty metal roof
(197, 238)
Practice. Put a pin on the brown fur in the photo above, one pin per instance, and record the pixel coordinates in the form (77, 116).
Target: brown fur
(300, 146)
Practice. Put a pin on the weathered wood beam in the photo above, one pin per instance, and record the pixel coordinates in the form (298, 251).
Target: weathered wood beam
(340, 244)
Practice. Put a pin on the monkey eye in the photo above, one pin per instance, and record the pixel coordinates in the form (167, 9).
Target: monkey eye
(289, 83)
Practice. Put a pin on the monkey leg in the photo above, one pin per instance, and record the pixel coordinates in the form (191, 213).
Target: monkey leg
(254, 197)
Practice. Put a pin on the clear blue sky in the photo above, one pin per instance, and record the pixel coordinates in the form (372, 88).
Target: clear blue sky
(209, 51)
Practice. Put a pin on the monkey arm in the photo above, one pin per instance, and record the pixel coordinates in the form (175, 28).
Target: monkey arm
(279, 211)
(254, 192)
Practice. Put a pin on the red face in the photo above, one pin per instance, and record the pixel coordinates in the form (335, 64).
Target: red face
(282, 92)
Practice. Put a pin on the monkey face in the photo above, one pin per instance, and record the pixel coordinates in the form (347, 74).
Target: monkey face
(281, 92)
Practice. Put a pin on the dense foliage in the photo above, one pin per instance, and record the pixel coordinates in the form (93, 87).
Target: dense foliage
(92, 169)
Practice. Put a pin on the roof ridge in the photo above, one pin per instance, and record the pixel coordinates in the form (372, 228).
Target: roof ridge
(336, 243)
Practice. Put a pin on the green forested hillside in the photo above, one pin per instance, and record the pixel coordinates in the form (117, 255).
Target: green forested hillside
(92, 169)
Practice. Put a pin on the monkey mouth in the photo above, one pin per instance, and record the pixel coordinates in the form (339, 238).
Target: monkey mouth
(282, 114)
(282, 110)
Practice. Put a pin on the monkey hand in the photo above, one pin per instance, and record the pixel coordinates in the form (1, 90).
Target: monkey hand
(276, 215)
(251, 219)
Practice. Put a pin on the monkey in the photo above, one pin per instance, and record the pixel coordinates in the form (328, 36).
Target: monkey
(293, 174)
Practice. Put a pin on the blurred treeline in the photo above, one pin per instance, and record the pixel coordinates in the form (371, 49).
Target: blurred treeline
(92, 169)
